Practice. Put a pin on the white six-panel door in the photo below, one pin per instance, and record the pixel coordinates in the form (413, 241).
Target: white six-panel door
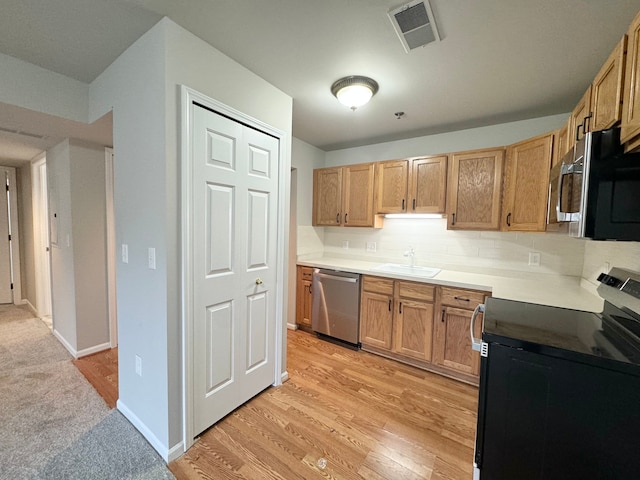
(235, 198)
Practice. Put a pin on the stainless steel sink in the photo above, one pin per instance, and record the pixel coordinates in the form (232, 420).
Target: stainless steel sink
(415, 271)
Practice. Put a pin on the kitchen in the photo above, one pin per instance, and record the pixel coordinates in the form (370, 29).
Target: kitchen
(549, 268)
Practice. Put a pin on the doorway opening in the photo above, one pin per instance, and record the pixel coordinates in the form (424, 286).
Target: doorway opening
(41, 240)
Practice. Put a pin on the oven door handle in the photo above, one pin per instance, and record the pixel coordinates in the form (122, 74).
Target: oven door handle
(476, 343)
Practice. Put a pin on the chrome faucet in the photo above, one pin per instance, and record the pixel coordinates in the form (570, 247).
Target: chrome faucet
(412, 256)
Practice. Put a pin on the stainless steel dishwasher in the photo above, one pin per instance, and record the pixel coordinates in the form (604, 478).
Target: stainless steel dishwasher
(336, 306)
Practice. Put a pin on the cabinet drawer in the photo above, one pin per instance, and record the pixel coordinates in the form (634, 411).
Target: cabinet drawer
(467, 299)
(417, 291)
(379, 285)
(307, 273)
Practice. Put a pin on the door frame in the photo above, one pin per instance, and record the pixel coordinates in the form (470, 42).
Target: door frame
(42, 241)
(188, 97)
(111, 249)
(14, 229)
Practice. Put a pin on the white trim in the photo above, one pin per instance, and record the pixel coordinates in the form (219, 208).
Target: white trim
(187, 97)
(111, 249)
(25, 301)
(168, 455)
(292, 326)
(41, 238)
(65, 344)
(15, 235)
(91, 350)
(284, 377)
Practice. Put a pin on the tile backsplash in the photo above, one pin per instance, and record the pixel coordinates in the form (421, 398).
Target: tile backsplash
(598, 256)
(434, 245)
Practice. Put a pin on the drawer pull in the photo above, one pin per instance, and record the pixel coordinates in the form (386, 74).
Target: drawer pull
(462, 299)
(403, 204)
(337, 218)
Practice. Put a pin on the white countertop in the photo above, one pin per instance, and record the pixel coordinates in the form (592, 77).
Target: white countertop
(553, 290)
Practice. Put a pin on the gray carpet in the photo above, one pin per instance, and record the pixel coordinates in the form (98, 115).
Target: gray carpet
(53, 424)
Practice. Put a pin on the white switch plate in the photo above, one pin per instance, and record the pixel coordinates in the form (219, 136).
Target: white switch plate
(371, 246)
(345, 244)
(125, 253)
(152, 258)
(139, 365)
(534, 259)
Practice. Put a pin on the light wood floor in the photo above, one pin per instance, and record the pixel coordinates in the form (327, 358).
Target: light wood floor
(368, 417)
(101, 369)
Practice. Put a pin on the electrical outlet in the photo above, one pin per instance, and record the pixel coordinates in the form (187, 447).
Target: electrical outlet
(534, 259)
(371, 246)
(345, 244)
(139, 365)
(125, 253)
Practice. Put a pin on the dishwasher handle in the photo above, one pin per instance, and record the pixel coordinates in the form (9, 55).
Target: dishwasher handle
(476, 343)
(336, 277)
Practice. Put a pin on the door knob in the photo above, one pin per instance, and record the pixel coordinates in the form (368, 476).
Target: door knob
(258, 281)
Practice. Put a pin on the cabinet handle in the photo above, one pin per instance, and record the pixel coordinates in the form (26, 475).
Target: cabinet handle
(414, 203)
(462, 299)
(310, 291)
(337, 218)
(578, 131)
(586, 123)
(389, 305)
(400, 308)
(403, 204)
(453, 219)
(443, 312)
(345, 218)
(509, 219)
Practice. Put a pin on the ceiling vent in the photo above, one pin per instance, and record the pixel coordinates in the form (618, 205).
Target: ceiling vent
(414, 24)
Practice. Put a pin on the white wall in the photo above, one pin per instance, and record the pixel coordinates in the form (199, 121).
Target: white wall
(474, 138)
(76, 178)
(35, 88)
(142, 87)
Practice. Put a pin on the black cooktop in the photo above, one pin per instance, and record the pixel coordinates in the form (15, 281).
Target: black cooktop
(610, 336)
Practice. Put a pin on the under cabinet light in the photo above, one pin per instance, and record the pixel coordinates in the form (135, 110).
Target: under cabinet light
(414, 215)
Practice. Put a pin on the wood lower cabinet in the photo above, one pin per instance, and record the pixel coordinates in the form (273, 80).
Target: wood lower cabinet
(526, 185)
(452, 341)
(304, 296)
(474, 190)
(396, 318)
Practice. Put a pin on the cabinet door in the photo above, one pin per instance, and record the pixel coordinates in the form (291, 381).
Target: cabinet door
(452, 342)
(327, 196)
(376, 320)
(413, 329)
(579, 122)
(304, 296)
(428, 184)
(391, 186)
(631, 103)
(561, 144)
(358, 195)
(526, 185)
(474, 186)
(607, 88)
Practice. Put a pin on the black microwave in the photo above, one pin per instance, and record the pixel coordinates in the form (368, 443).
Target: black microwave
(595, 189)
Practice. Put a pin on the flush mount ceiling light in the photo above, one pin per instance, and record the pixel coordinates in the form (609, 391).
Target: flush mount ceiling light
(354, 91)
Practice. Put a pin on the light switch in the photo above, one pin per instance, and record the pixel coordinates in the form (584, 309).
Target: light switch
(152, 258)
(125, 253)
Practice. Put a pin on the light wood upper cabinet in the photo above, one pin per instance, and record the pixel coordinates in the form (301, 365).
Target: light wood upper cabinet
(474, 189)
(579, 120)
(343, 196)
(631, 99)
(391, 181)
(526, 185)
(561, 144)
(607, 89)
(415, 185)
(428, 184)
(327, 196)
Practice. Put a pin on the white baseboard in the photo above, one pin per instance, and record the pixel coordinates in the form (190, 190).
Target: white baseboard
(284, 376)
(65, 344)
(30, 305)
(91, 350)
(292, 326)
(168, 455)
